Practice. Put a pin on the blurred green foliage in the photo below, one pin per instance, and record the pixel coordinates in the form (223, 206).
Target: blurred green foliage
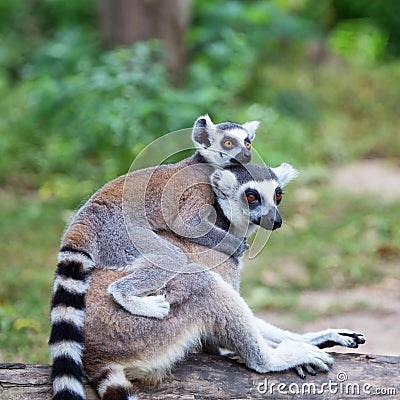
(319, 75)
(85, 120)
(359, 41)
(72, 112)
(25, 26)
(231, 38)
(383, 14)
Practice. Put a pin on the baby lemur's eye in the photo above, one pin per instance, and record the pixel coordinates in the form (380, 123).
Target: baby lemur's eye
(252, 197)
(248, 145)
(278, 195)
(228, 143)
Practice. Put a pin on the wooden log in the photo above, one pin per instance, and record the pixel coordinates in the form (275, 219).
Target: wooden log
(353, 376)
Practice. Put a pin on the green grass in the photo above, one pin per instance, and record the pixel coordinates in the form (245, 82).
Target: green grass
(30, 232)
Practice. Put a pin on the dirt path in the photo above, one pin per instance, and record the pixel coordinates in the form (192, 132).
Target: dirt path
(376, 177)
(373, 310)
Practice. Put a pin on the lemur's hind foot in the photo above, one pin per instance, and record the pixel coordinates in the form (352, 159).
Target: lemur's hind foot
(112, 384)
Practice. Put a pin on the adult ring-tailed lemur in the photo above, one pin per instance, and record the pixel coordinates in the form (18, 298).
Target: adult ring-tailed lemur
(205, 306)
(103, 235)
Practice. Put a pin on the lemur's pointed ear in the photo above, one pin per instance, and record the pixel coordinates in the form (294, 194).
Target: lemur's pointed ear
(285, 173)
(203, 132)
(251, 128)
(224, 182)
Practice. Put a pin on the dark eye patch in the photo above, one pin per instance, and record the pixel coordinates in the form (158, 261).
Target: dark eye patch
(278, 195)
(253, 197)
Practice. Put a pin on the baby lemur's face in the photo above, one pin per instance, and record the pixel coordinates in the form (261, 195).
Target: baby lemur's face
(226, 143)
(232, 145)
(249, 195)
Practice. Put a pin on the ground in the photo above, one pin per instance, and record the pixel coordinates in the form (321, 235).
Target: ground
(373, 309)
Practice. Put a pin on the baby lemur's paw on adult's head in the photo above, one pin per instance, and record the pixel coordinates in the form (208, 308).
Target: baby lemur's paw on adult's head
(224, 182)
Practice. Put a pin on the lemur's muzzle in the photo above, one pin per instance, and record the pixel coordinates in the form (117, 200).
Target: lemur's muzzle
(244, 156)
(270, 221)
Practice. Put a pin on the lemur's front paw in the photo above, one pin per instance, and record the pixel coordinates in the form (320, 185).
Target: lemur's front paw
(314, 357)
(300, 356)
(335, 337)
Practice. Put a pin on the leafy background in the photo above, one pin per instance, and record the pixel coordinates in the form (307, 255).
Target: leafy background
(320, 76)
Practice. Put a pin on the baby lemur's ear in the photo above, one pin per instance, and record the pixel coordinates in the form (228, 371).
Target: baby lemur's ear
(285, 173)
(223, 182)
(203, 132)
(251, 128)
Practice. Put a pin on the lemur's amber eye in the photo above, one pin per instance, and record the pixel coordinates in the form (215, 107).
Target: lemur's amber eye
(248, 145)
(251, 198)
(278, 197)
(228, 143)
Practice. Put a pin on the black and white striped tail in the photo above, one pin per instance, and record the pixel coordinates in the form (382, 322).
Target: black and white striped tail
(67, 320)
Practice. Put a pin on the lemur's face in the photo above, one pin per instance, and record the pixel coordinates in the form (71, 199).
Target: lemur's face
(262, 200)
(249, 196)
(230, 146)
(224, 144)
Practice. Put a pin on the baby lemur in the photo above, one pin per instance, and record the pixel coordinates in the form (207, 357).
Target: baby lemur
(205, 306)
(123, 221)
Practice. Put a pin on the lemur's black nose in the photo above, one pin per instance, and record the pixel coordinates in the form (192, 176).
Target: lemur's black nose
(271, 221)
(277, 221)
